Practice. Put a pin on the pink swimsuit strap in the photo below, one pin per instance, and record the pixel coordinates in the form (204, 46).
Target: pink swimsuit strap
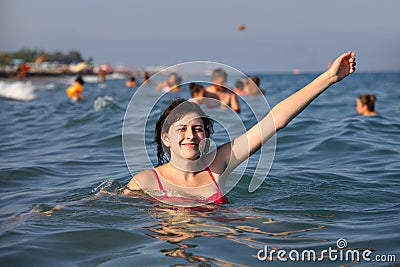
(212, 177)
(158, 180)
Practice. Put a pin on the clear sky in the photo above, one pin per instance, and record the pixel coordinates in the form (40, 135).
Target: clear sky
(280, 35)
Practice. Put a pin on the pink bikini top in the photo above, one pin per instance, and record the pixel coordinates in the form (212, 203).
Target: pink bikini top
(217, 198)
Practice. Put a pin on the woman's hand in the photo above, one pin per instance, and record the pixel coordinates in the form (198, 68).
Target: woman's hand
(342, 66)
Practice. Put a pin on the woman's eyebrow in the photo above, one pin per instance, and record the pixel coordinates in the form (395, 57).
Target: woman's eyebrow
(185, 125)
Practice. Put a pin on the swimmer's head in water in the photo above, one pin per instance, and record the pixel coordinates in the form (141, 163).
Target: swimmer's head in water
(79, 80)
(367, 101)
(196, 90)
(219, 77)
(173, 113)
(173, 79)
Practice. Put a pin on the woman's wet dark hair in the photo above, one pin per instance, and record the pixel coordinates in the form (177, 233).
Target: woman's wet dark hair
(174, 112)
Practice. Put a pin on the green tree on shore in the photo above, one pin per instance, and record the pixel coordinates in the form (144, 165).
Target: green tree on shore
(30, 55)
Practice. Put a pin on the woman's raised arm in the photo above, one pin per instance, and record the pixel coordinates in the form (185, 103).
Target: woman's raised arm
(238, 150)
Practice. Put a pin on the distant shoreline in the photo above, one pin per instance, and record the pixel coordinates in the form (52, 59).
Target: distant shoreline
(13, 74)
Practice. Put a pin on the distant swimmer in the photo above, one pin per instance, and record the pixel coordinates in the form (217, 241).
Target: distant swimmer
(75, 90)
(219, 91)
(365, 105)
(196, 90)
(248, 86)
(254, 86)
(172, 84)
(102, 75)
(21, 71)
(146, 77)
(199, 97)
(131, 82)
(239, 87)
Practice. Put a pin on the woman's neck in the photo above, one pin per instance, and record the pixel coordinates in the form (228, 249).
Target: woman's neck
(182, 170)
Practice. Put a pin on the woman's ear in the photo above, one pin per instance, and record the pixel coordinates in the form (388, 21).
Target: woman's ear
(165, 139)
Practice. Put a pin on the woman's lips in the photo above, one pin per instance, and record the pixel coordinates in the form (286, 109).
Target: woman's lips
(190, 145)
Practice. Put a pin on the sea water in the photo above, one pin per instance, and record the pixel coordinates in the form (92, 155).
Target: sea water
(335, 178)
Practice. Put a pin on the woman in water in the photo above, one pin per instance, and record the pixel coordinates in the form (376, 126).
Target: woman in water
(182, 133)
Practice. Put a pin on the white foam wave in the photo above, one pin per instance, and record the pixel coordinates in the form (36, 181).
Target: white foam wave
(95, 78)
(116, 76)
(102, 102)
(90, 79)
(22, 91)
(49, 86)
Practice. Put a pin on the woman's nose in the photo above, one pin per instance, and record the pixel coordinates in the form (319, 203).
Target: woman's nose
(189, 133)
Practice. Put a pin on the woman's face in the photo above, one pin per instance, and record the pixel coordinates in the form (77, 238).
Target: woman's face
(184, 137)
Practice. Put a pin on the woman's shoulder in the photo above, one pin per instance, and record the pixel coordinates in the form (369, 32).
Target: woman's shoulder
(144, 173)
(141, 180)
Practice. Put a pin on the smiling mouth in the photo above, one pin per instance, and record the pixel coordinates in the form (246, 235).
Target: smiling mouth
(191, 145)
